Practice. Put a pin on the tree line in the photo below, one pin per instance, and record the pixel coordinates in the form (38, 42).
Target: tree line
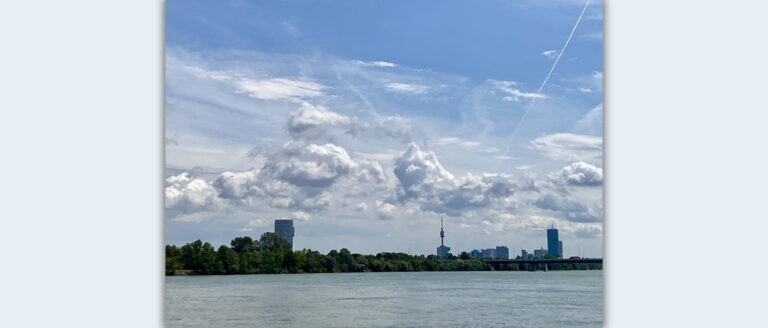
(273, 254)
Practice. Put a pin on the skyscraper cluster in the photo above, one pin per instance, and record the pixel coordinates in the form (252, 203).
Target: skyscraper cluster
(554, 246)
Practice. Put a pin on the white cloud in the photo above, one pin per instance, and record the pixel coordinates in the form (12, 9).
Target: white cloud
(570, 147)
(279, 88)
(587, 90)
(395, 127)
(374, 63)
(407, 88)
(597, 75)
(425, 181)
(301, 216)
(506, 86)
(385, 210)
(455, 141)
(257, 223)
(187, 192)
(551, 54)
(267, 89)
(579, 174)
(361, 207)
(235, 185)
(312, 121)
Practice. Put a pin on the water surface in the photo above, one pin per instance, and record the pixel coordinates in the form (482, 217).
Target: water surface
(397, 299)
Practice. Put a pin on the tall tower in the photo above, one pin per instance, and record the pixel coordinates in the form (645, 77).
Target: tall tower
(442, 233)
(553, 242)
(443, 250)
(284, 228)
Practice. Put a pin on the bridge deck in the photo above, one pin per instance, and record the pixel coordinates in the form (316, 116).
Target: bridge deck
(545, 261)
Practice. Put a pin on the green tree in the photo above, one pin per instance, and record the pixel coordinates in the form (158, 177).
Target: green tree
(242, 244)
(270, 241)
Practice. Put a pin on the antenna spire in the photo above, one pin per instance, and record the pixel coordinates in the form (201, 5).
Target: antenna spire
(442, 233)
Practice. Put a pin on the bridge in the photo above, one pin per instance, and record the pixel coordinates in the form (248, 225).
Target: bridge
(497, 263)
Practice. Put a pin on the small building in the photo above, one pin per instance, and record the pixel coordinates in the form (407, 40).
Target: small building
(502, 252)
(523, 254)
(539, 253)
(476, 253)
(443, 250)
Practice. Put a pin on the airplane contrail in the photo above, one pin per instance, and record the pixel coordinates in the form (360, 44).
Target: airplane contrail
(530, 105)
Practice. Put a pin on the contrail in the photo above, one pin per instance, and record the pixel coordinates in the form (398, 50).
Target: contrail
(533, 101)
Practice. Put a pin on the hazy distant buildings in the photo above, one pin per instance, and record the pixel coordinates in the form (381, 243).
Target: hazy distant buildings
(489, 253)
(476, 253)
(524, 254)
(553, 242)
(560, 248)
(502, 252)
(284, 228)
(442, 250)
(539, 253)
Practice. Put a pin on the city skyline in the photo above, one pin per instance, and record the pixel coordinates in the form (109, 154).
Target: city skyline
(365, 133)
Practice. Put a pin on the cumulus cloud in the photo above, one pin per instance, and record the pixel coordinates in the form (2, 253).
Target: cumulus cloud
(407, 88)
(313, 121)
(579, 174)
(311, 165)
(236, 185)
(183, 191)
(516, 94)
(570, 147)
(423, 179)
(384, 210)
(417, 170)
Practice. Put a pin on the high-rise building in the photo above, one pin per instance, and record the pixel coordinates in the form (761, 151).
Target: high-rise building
(489, 253)
(552, 241)
(560, 248)
(524, 254)
(539, 253)
(284, 228)
(476, 253)
(443, 250)
(502, 252)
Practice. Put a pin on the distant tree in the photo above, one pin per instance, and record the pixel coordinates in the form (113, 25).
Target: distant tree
(207, 259)
(227, 260)
(464, 256)
(271, 241)
(241, 244)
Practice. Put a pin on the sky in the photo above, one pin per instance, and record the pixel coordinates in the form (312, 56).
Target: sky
(367, 121)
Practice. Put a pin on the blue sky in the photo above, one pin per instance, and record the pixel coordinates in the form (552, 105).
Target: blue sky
(366, 121)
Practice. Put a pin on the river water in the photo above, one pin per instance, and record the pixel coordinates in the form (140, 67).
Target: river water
(396, 299)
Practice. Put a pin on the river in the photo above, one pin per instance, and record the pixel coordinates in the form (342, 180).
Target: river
(396, 299)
